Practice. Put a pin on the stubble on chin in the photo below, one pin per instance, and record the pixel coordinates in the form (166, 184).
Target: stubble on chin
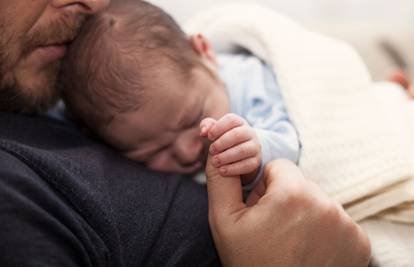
(31, 91)
(33, 94)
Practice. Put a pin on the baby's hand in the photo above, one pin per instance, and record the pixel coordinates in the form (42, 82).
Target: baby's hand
(235, 148)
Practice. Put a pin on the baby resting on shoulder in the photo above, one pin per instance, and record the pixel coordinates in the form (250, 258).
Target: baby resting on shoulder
(137, 81)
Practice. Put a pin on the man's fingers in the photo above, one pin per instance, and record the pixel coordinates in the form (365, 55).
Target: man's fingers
(281, 173)
(224, 193)
(226, 123)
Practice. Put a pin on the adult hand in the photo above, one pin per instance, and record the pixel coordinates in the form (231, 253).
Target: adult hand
(286, 221)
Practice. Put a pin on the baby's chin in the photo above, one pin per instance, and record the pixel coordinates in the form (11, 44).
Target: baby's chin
(194, 168)
(187, 169)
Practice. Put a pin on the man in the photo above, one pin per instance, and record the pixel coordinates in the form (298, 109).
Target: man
(66, 200)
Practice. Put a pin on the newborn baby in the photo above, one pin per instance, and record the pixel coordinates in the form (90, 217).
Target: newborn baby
(137, 81)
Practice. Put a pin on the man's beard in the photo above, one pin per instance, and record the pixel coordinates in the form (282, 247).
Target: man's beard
(16, 95)
(21, 99)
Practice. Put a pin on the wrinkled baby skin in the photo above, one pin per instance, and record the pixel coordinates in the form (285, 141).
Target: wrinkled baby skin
(235, 147)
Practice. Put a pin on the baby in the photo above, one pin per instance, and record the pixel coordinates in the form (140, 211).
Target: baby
(162, 98)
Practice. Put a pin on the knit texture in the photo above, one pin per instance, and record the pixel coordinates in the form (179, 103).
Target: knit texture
(392, 244)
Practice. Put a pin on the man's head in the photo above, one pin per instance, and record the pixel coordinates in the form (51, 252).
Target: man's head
(33, 39)
(137, 80)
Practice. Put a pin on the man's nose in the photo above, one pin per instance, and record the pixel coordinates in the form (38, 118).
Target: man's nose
(83, 6)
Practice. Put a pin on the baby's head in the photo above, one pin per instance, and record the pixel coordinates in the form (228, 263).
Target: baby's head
(137, 81)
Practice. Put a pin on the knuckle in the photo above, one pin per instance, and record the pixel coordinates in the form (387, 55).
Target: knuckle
(247, 132)
(329, 213)
(212, 133)
(249, 165)
(234, 119)
(294, 197)
(213, 148)
(256, 148)
(217, 145)
(244, 149)
(276, 167)
(255, 162)
(219, 158)
(250, 130)
(237, 134)
(227, 170)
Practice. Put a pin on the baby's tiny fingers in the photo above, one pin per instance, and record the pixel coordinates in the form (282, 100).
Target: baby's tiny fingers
(225, 124)
(237, 153)
(241, 167)
(231, 138)
(205, 126)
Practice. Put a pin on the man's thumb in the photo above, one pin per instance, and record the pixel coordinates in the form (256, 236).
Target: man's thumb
(224, 193)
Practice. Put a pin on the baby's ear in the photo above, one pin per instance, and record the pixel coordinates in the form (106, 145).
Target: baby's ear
(202, 47)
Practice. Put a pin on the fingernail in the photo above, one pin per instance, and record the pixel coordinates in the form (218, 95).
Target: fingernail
(212, 150)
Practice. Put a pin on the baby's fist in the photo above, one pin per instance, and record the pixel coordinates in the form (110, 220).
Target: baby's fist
(235, 148)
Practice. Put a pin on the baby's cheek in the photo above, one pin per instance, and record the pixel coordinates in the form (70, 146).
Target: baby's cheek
(165, 162)
(161, 162)
(134, 156)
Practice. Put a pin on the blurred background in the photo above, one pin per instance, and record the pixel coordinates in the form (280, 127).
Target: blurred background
(382, 31)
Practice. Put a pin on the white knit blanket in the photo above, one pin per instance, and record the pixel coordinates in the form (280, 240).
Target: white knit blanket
(357, 143)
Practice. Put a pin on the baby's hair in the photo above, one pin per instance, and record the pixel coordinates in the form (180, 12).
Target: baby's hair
(116, 57)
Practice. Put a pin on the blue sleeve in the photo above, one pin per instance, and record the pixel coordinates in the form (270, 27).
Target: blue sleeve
(265, 111)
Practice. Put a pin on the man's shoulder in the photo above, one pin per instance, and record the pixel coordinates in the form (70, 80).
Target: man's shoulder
(87, 187)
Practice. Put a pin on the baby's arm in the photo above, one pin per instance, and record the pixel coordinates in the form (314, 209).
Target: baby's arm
(244, 146)
(239, 149)
(278, 139)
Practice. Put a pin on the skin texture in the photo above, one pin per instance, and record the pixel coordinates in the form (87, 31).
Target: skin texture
(33, 36)
(235, 148)
(170, 141)
(286, 221)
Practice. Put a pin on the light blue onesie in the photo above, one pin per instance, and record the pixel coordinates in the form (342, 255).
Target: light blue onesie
(255, 95)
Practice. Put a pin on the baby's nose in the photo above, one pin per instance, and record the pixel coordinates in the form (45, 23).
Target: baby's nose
(188, 150)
